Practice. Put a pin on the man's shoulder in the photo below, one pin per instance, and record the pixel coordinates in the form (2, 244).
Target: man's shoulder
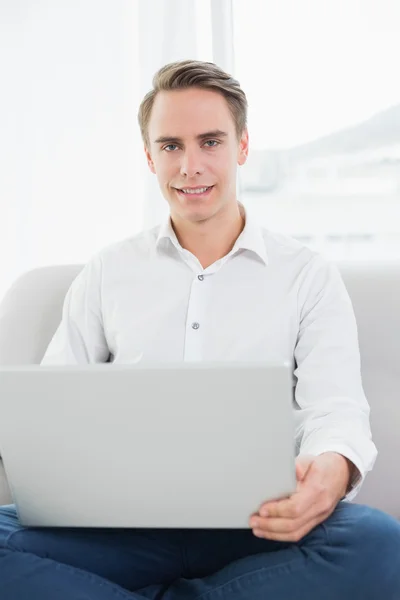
(139, 246)
(281, 247)
(292, 259)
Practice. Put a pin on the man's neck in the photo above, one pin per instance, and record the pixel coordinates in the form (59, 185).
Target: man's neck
(212, 239)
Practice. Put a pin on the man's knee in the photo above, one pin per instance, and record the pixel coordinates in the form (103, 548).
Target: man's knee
(367, 526)
(370, 540)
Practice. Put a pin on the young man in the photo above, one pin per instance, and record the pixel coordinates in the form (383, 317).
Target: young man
(211, 284)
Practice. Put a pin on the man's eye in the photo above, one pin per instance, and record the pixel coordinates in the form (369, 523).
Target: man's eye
(212, 143)
(170, 147)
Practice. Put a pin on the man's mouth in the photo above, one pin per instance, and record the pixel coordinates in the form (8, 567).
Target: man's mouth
(198, 191)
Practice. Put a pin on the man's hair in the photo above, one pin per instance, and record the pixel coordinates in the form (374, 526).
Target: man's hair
(195, 74)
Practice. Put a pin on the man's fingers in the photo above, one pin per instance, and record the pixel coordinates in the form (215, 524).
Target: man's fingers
(282, 525)
(290, 508)
(278, 525)
(290, 536)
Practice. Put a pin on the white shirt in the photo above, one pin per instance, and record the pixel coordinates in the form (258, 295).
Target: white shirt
(271, 298)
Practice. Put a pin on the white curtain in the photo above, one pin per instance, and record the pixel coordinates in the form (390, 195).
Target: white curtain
(73, 175)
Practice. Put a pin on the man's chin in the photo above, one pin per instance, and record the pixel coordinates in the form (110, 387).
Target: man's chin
(200, 212)
(194, 214)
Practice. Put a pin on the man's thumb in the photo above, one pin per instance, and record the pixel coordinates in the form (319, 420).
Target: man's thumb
(303, 463)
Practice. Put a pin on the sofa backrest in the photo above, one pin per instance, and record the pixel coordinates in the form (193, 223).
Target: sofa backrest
(31, 311)
(374, 289)
(32, 308)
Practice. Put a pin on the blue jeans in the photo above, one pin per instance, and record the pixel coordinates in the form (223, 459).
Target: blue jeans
(354, 554)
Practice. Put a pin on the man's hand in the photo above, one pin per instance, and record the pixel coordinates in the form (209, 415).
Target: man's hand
(321, 483)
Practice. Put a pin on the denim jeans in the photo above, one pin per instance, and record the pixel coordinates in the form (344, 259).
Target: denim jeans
(354, 554)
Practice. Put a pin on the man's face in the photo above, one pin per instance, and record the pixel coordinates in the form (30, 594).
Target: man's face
(194, 151)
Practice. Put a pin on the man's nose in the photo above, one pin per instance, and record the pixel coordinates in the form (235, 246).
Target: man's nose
(191, 164)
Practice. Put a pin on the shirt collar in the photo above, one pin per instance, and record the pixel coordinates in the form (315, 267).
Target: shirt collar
(251, 238)
(166, 232)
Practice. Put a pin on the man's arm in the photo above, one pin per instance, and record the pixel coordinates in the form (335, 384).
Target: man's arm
(333, 413)
(80, 339)
(332, 418)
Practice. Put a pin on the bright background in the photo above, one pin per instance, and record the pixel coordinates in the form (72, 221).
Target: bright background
(322, 83)
(324, 121)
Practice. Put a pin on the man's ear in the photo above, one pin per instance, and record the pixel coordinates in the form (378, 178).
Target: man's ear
(243, 147)
(149, 160)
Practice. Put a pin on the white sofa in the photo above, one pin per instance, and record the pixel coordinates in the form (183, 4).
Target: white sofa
(31, 311)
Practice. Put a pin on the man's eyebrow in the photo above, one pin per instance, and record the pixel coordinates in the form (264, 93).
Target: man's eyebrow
(212, 134)
(175, 140)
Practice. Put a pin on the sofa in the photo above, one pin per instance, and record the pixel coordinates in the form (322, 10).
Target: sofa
(31, 311)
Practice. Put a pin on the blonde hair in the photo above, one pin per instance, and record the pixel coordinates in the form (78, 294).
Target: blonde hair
(195, 74)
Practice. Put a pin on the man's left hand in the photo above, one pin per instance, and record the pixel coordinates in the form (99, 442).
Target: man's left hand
(321, 483)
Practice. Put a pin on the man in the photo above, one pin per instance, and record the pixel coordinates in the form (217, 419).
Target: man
(211, 284)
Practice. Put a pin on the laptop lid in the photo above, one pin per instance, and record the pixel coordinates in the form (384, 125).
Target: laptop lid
(105, 445)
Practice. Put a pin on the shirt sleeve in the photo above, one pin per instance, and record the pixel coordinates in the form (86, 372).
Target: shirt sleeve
(80, 338)
(332, 412)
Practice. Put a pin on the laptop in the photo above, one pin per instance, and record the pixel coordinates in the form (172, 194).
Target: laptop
(188, 445)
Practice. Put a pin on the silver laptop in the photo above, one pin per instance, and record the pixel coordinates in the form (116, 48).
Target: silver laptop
(195, 445)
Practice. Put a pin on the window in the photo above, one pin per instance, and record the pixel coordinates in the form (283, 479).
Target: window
(324, 121)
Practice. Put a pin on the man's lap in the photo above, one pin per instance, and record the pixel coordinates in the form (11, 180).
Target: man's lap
(354, 537)
(131, 558)
(162, 554)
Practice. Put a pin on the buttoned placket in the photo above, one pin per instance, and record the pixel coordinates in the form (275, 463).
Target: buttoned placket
(196, 317)
(199, 297)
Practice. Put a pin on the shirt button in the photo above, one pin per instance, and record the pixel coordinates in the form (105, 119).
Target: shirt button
(200, 277)
(195, 325)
